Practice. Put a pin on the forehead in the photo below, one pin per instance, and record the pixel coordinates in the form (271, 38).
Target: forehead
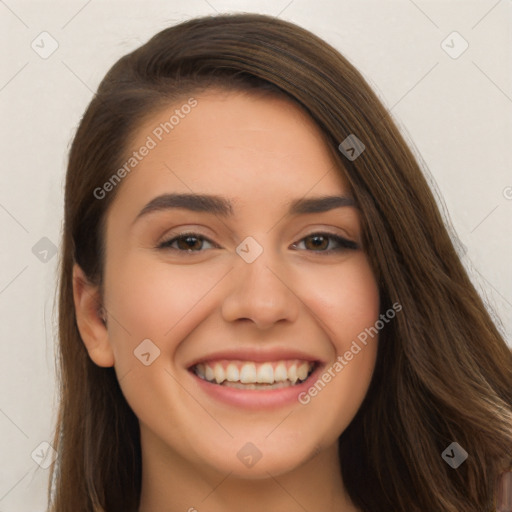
(231, 143)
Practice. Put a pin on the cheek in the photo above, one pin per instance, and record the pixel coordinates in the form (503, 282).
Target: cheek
(160, 302)
(155, 300)
(345, 299)
(346, 302)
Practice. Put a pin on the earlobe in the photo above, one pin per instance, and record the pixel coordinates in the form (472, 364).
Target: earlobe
(91, 325)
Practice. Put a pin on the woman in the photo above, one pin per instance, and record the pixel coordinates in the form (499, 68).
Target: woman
(260, 305)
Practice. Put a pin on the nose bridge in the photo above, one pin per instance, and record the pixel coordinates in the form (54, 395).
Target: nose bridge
(260, 291)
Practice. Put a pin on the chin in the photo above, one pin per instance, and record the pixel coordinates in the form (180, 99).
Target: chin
(257, 461)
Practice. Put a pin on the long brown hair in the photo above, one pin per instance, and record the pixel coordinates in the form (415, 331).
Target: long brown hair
(443, 371)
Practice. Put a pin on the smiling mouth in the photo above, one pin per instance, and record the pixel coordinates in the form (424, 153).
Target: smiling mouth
(249, 375)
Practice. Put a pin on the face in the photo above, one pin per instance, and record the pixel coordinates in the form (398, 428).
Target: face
(256, 285)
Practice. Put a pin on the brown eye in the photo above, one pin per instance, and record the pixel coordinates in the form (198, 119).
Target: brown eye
(186, 242)
(326, 243)
(320, 242)
(189, 243)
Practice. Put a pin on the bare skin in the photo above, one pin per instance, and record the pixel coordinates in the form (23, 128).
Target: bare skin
(262, 154)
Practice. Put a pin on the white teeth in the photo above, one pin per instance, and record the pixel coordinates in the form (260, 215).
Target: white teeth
(248, 373)
(265, 374)
(302, 371)
(218, 373)
(280, 373)
(232, 373)
(208, 372)
(265, 387)
(292, 373)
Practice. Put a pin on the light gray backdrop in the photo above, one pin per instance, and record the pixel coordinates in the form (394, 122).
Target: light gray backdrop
(454, 105)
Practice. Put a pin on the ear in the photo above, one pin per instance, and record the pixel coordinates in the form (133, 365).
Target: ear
(88, 310)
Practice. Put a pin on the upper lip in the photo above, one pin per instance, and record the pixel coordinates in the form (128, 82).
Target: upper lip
(261, 355)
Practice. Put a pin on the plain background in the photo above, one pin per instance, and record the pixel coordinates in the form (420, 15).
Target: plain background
(456, 114)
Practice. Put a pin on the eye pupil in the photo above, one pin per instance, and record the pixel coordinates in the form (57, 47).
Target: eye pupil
(190, 242)
(318, 241)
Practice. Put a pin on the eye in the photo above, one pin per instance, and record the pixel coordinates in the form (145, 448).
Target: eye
(321, 242)
(316, 242)
(186, 242)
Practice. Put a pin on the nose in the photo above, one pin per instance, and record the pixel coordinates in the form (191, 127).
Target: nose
(260, 293)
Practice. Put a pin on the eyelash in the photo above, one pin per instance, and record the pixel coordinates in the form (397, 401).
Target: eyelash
(344, 243)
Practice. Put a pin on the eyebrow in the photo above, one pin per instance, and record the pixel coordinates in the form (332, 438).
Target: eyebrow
(224, 207)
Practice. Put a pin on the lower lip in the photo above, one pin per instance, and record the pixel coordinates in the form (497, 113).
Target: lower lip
(257, 398)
